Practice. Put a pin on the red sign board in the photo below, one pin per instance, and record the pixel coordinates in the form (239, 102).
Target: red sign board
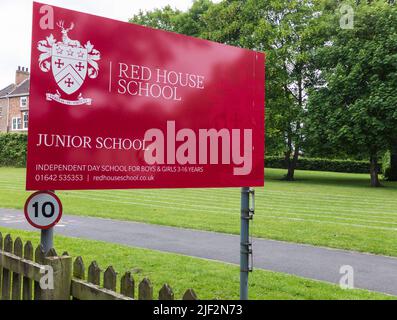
(115, 105)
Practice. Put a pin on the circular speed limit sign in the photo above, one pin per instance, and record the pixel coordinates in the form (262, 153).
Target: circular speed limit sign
(43, 209)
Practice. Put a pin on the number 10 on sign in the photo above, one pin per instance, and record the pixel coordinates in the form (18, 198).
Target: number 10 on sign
(43, 210)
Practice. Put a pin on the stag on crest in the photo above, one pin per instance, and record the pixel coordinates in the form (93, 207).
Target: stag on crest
(65, 38)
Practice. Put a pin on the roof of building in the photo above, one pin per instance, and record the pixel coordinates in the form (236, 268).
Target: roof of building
(7, 90)
(21, 89)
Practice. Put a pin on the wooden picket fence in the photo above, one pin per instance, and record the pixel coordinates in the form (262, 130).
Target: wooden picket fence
(21, 269)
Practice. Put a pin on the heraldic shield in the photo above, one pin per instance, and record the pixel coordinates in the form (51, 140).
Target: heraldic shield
(69, 67)
(71, 64)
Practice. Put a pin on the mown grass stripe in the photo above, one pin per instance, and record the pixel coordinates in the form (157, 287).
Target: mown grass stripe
(328, 209)
(298, 211)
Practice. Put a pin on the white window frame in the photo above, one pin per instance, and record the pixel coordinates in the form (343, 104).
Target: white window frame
(16, 123)
(24, 102)
(25, 122)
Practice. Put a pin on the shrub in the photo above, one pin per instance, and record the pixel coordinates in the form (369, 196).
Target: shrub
(13, 149)
(317, 164)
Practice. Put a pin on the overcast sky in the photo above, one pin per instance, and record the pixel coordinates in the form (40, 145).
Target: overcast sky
(16, 21)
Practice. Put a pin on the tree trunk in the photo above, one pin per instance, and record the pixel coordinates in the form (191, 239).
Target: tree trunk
(287, 154)
(392, 174)
(374, 172)
(292, 165)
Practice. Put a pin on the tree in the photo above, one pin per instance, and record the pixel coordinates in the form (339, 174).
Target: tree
(354, 108)
(296, 36)
(245, 24)
(189, 23)
(251, 24)
(281, 28)
(289, 31)
(166, 18)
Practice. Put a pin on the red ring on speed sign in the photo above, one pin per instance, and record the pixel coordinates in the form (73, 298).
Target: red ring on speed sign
(53, 196)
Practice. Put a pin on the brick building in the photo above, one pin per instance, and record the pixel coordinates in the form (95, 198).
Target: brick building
(14, 103)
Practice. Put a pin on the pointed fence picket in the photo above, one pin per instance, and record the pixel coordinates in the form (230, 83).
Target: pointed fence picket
(20, 277)
(27, 292)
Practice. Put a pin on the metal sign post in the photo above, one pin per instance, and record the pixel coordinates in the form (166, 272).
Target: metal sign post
(47, 239)
(245, 243)
(43, 210)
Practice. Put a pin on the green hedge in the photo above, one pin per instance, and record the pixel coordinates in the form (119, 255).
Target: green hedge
(316, 164)
(13, 149)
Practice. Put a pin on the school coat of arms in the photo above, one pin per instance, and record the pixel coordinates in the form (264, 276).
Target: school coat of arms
(70, 62)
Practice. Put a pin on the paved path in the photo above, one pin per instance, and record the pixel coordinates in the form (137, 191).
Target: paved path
(371, 272)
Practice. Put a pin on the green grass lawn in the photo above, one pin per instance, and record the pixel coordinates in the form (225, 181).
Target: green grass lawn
(210, 279)
(321, 208)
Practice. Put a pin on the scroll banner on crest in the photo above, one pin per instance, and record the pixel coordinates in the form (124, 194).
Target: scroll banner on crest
(115, 105)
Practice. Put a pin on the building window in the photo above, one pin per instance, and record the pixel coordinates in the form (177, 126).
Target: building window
(16, 123)
(25, 120)
(24, 102)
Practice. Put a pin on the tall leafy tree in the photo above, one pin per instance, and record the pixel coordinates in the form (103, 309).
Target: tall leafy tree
(251, 24)
(295, 37)
(166, 18)
(189, 23)
(284, 30)
(281, 28)
(355, 107)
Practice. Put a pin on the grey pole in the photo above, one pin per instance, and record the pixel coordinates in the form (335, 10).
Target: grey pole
(244, 243)
(47, 237)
